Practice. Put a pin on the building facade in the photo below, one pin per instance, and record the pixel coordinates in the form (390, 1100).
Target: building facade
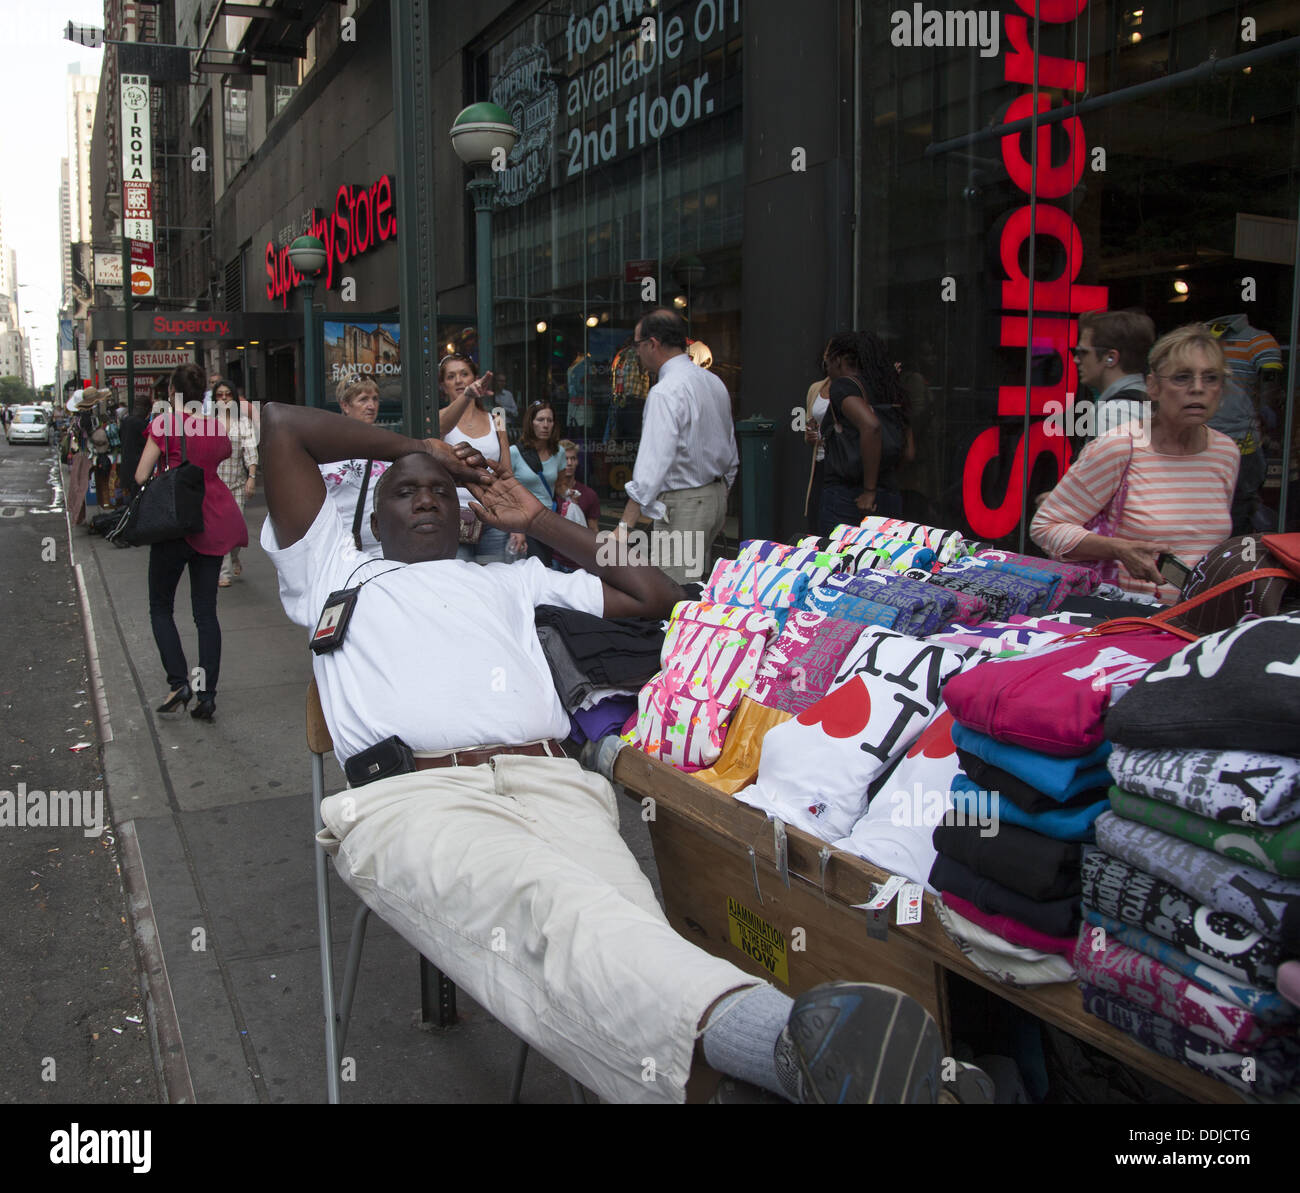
(962, 182)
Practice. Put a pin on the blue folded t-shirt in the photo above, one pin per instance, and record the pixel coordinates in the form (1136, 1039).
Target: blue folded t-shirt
(1064, 824)
(1059, 778)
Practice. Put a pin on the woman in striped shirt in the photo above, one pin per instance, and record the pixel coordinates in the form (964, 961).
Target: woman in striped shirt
(1181, 474)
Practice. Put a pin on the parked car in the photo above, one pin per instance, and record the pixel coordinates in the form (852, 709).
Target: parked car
(30, 425)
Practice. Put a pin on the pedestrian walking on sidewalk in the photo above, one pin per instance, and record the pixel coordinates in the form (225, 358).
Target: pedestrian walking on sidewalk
(206, 444)
(239, 469)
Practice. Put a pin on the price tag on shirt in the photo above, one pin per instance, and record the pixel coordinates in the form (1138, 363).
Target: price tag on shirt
(911, 900)
(884, 894)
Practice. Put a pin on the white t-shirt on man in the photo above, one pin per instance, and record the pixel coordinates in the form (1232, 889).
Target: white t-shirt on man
(443, 654)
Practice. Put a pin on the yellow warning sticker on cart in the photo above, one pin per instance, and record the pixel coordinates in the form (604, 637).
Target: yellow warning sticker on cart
(758, 939)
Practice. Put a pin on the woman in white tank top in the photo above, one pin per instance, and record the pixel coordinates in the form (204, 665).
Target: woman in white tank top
(465, 420)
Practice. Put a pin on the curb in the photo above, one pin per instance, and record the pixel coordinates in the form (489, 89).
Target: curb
(170, 1062)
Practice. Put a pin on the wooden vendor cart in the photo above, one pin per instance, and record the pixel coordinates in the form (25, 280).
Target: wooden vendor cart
(722, 889)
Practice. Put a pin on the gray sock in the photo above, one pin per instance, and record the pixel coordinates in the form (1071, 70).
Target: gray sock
(741, 1036)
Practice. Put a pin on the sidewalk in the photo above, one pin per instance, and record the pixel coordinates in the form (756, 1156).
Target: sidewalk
(215, 826)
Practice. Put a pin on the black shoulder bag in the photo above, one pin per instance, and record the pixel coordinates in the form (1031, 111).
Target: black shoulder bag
(361, 506)
(168, 506)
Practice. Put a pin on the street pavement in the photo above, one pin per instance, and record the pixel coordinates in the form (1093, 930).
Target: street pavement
(73, 1028)
(214, 823)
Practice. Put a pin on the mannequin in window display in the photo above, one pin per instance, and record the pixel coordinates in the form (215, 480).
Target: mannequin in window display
(1252, 397)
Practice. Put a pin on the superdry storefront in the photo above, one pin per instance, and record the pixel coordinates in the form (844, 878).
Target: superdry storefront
(963, 182)
(1171, 187)
(623, 190)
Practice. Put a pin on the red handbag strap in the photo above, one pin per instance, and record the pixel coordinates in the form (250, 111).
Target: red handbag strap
(1221, 587)
(1161, 620)
(1121, 625)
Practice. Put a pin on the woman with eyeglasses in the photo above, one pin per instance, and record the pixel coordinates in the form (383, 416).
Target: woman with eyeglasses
(536, 461)
(466, 419)
(1165, 483)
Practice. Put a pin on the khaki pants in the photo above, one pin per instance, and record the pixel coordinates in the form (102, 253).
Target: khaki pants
(511, 877)
(694, 518)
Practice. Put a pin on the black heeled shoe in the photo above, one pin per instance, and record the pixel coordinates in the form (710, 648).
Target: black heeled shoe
(180, 696)
(204, 709)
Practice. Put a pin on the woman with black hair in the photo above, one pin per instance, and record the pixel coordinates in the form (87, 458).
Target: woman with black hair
(865, 431)
(134, 430)
(206, 444)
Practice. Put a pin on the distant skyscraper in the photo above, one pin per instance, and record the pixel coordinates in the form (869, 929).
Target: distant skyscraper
(65, 229)
(82, 94)
(74, 189)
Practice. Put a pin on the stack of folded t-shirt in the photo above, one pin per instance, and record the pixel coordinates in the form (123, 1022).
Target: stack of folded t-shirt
(796, 670)
(1192, 900)
(816, 770)
(910, 799)
(1005, 589)
(598, 664)
(920, 609)
(1032, 779)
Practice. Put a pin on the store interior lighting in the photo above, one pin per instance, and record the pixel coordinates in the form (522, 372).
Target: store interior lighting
(592, 320)
(541, 325)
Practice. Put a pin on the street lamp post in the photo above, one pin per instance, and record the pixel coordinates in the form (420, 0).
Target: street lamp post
(483, 137)
(307, 256)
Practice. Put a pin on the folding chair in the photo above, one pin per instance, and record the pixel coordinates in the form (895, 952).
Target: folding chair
(437, 991)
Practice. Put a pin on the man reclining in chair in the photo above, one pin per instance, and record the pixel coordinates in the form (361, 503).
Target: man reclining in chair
(499, 858)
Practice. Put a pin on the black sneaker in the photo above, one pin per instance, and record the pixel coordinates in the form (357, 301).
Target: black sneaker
(854, 1042)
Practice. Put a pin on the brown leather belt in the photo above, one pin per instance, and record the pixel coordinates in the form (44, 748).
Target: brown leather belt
(546, 749)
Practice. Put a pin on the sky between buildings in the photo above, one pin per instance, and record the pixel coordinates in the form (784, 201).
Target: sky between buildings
(34, 60)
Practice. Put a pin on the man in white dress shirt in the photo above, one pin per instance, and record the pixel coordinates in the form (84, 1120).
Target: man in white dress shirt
(687, 459)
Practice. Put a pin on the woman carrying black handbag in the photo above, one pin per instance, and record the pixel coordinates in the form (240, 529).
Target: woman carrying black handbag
(204, 444)
(866, 432)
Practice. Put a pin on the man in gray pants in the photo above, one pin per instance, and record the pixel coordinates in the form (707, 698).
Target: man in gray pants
(687, 459)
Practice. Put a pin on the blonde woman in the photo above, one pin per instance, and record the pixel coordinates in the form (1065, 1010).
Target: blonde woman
(358, 398)
(1177, 480)
(239, 469)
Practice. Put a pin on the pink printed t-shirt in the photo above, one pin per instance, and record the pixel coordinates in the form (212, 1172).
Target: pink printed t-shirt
(206, 444)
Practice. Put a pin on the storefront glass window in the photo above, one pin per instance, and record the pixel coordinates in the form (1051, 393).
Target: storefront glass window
(1169, 191)
(624, 192)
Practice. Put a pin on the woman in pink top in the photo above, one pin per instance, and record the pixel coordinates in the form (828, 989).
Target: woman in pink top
(1181, 474)
(206, 444)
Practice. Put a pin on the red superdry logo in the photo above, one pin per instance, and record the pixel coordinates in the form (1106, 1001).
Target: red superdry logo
(1057, 301)
(363, 218)
(167, 325)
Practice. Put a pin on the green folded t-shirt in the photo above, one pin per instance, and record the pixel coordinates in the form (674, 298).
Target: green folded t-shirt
(1276, 850)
